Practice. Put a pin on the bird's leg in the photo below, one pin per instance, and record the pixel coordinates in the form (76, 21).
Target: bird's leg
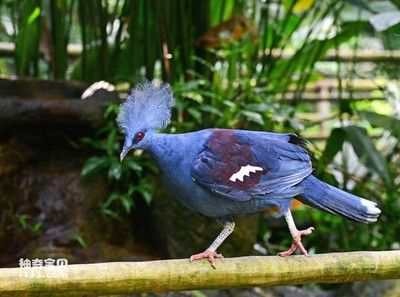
(296, 234)
(211, 253)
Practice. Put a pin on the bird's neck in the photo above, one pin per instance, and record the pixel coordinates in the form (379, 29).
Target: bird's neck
(162, 146)
(171, 149)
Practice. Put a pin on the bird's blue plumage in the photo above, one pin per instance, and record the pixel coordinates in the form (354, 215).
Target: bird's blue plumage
(335, 201)
(223, 173)
(178, 154)
(284, 165)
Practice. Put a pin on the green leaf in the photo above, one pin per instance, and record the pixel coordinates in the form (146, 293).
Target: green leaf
(111, 110)
(132, 164)
(27, 39)
(115, 171)
(37, 228)
(95, 143)
(195, 114)
(197, 293)
(94, 165)
(147, 197)
(212, 110)
(127, 202)
(79, 238)
(220, 10)
(113, 197)
(311, 51)
(34, 15)
(110, 213)
(112, 144)
(23, 220)
(383, 121)
(253, 117)
(367, 153)
(333, 145)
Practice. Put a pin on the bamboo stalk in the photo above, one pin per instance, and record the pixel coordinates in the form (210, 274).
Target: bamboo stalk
(175, 275)
(348, 55)
(316, 97)
(75, 50)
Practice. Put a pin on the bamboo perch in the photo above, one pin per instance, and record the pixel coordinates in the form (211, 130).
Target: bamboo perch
(174, 275)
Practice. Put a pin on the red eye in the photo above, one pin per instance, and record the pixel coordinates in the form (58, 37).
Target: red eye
(139, 136)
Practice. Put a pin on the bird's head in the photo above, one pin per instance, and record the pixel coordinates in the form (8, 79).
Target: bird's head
(146, 109)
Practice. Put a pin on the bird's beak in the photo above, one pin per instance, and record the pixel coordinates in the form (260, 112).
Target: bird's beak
(125, 150)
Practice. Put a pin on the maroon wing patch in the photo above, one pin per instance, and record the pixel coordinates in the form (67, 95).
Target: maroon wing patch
(233, 164)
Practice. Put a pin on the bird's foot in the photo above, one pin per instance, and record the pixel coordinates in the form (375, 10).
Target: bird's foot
(211, 256)
(297, 243)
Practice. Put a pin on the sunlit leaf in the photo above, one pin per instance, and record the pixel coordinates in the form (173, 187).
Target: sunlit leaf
(34, 15)
(211, 109)
(361, 4)
(27, 40)
(367, 152)
(115, 171)
(389, 123)
(253, 116)
(385, 20)
(302, 5)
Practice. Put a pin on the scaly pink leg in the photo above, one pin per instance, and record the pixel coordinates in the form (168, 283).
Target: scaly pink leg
(296, 234)
(297, 243)
(210, 255)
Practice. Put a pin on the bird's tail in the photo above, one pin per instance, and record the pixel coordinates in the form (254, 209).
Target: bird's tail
(335, 201)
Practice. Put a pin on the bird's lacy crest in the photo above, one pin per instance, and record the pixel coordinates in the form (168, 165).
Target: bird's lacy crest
(147, 107)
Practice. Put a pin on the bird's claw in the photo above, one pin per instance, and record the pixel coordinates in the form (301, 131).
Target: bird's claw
(211, 256)
(307, 231)
(297, 243)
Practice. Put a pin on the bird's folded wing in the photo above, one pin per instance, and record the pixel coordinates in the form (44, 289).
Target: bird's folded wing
(241, 167)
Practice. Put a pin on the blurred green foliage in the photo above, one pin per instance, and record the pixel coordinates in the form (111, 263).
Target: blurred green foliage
(125, 178)
(227, 65)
